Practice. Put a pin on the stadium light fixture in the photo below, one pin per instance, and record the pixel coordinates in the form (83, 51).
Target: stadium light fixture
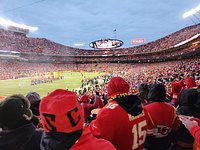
(191, 12)
(6, 23)
(79, 44)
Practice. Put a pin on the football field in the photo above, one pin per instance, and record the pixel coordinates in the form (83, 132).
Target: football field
(71, 80)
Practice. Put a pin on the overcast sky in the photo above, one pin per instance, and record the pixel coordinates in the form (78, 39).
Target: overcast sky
(83, 21)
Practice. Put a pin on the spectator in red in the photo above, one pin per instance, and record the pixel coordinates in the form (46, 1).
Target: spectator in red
(193, 125)
(187, 106)
(176, 89)
(122, 120)
(162, 119)
(190, 82)
(87, 107)
(63, 121)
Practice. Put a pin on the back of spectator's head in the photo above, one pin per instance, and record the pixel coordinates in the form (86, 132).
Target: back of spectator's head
(188, 97)
(117, 86)
(61, 112)
(190, 82)
(142, 87)
(176, 87)
(34, 99)
(157, 93)
(181, 82)
(143, 90)
(15, 112)
(85, 98)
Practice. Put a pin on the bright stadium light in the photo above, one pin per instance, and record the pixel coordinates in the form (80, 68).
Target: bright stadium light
(79, 44)
(191, 12)
(6, 23)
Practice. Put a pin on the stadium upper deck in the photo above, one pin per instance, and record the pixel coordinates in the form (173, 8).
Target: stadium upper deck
(20, 42)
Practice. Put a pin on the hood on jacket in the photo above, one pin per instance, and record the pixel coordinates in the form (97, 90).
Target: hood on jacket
(198, 101)
(130, 103)
(188, 97)
(34, 99)
(17, 139)
(59, 140)
(157, 93)
(143, 90)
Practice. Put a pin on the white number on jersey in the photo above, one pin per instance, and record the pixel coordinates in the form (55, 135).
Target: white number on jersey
(139, 135)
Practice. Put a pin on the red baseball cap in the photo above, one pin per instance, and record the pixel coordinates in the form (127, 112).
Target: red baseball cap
(60, 111)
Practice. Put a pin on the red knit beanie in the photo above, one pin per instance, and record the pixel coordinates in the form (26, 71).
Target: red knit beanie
(190, 82)
(60, 111)
(176, 87)
(84, 98)
(117, 86)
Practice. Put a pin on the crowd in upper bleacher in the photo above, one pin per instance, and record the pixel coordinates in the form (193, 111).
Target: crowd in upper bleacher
(149, 106)
(21, 43)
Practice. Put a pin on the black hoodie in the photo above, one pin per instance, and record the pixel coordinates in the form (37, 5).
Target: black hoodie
(130, 103)
(59, 140)
(22, 138)
(157, 93)
(187, 106)
(187, 103)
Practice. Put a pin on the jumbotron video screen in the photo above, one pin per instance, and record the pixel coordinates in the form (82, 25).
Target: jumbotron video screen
(106, 44)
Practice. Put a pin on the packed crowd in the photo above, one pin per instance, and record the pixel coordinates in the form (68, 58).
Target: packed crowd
(20, 42)
(105, 102)
(145, 120)
(140, 57)
(12, 69)
(168, 41)
(133, 72)
(157, 45)
(146, 106)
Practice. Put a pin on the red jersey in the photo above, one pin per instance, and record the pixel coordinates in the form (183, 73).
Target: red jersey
(195, 131)
(161, 114)
(124, 131)
(88, 142)
(161, 120)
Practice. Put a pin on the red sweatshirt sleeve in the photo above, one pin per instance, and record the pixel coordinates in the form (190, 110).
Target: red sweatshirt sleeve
(93, 106)
(102, 126)
(195, 131)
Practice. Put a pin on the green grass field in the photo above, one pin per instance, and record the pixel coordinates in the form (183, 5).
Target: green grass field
(72, 80)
